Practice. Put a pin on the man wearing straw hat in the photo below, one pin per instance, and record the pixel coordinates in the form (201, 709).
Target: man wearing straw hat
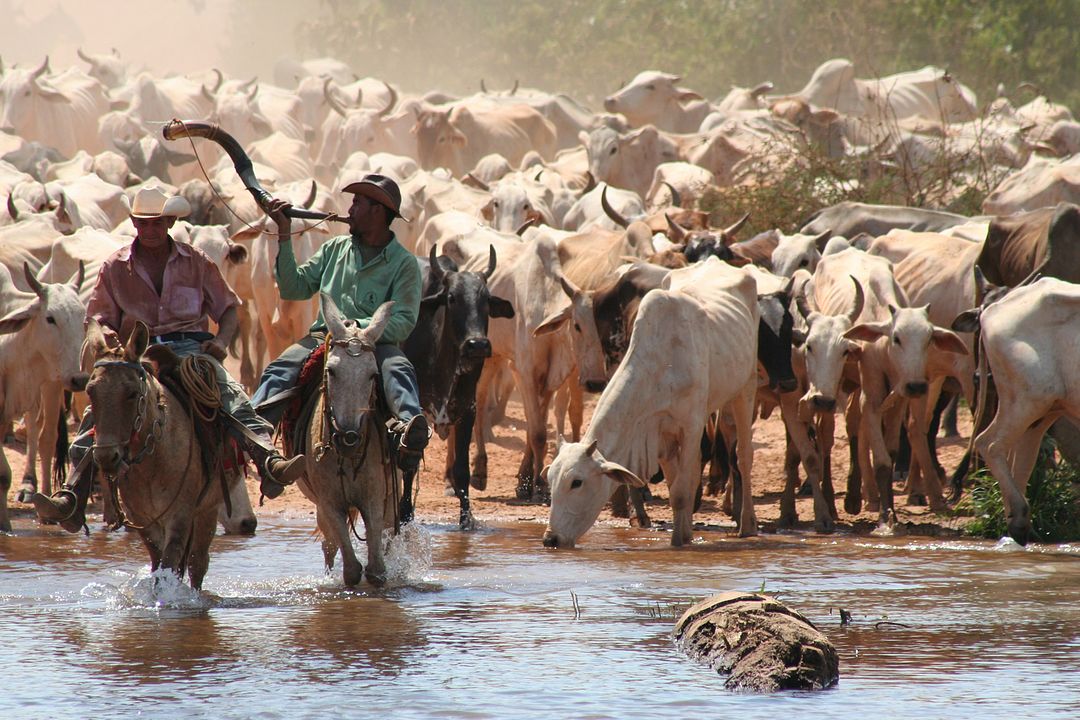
(175, 290)
(359, 271)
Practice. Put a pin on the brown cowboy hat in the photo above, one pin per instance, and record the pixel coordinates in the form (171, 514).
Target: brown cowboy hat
(379, 188)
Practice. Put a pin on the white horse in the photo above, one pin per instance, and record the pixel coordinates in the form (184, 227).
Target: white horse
(349, 465)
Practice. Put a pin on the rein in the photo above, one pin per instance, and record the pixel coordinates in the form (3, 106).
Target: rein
(149, 444)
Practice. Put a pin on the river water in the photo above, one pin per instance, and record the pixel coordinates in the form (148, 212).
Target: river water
(489, 624)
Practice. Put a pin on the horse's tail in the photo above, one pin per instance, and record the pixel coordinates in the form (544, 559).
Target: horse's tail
(60, 456)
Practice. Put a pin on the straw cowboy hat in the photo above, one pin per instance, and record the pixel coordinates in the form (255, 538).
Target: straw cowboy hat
(152, 203)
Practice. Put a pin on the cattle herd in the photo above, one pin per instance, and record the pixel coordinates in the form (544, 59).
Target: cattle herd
(565, 252)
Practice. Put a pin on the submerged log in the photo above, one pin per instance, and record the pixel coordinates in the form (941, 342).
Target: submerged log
(759, 643)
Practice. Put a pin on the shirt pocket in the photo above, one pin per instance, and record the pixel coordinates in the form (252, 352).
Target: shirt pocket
(187, 302)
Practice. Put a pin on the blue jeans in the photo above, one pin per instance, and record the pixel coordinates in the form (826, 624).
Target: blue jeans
(400, 389)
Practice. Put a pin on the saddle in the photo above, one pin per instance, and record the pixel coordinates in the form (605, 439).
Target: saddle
(296, 420)
(216, 457)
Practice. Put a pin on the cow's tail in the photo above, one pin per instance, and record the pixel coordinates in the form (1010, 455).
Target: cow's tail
(980, 407)
(60, 458)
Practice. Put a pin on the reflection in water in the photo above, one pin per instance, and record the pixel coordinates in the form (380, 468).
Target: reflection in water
(483, 624)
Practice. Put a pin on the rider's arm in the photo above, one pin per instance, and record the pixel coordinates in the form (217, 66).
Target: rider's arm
(298, 282)
(102, 306)
(405, 292)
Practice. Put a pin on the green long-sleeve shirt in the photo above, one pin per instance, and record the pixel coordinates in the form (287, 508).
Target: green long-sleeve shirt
(356, 287)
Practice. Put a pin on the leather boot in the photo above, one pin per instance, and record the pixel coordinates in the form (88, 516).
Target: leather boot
(277, 472)
(67, 506)
(414, 435)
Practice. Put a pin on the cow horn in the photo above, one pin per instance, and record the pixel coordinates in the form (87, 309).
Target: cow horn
(860, 298)
(254, 91)
(676, 198)
(736, 226)
(761, 89)
(330, 100)
(80, 275)
(249, 83)
(359, 97)
(311, 195)
(513, 90)
(820, 240)
(590, 182)
(677, 231)
(568, 286)
(538, 174)
(433, 264)
(12, 210)
(491, 264)
(610, 211)
(483, 88)
(220, 80)
(33, 282)
(44, 68)
(525, 226)
(393, 100)
(207, 94)
(473, 181)
(592, 448)
(802, 306)
(85, 58)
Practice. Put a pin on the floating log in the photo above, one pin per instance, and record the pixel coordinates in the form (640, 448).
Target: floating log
(759, 643)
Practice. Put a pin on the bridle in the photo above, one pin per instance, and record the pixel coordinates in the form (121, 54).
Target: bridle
(150, 442)
(345, 441)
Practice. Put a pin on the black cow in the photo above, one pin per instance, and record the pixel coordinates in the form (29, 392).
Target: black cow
(448, 347)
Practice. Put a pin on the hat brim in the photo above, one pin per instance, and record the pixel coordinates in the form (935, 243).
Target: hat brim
(175, 207)
(374, 192)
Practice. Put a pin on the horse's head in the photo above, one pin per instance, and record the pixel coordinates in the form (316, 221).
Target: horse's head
(120, 396)
(351, 372)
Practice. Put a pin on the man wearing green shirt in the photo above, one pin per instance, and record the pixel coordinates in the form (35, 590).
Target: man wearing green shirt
(359, 271)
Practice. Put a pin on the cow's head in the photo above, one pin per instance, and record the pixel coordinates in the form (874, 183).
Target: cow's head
(437, 139)
(578, 315)
(26, 97)
(826, 350)
(469, 304)
(649, 98)
(798, 251)
(775, 333)
(699, 245)
(909, 335)
(513, 204)
(581, 481)
(51, 328)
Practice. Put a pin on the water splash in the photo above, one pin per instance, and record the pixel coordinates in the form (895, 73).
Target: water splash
(408, 557)
(146, 590)
(1007, 544)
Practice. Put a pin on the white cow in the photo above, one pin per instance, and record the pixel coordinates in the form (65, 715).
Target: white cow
(693, 351)
(40, 340)
(653, 98)
(1031, 338)
(60, 111)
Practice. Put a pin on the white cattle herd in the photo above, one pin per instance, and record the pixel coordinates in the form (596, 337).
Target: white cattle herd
(575, 203)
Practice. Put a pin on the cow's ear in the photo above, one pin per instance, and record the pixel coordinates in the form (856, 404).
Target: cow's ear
(854, 352)
(867, 332)
(967, 321)
(15, 321)
(432, 301)
(619, 474)
(554, 322)
(798, 337)
(458, 138)
(686, 95)
(583, 138)
(488, 211)
(948, 341)
(499, 308)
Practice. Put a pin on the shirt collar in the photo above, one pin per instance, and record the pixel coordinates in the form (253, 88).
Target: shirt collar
(178, 248)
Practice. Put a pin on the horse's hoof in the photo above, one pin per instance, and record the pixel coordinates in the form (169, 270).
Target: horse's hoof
(787, 520)
(466, 522)
(26, 493)
(523, 491)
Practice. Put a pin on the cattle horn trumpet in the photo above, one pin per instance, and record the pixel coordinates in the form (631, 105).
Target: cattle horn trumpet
(175, 129)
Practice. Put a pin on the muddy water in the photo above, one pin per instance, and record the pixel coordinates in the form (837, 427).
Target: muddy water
(483, 625)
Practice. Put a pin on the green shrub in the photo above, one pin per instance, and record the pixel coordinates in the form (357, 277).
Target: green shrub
(1053, 494)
